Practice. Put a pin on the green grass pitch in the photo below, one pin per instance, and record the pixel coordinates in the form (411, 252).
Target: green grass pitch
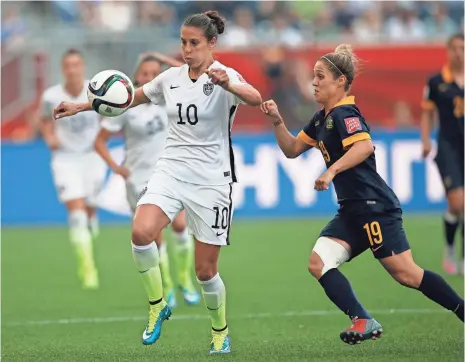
(277, 312)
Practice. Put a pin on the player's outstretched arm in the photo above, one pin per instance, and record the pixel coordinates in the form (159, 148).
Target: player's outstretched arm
(291, 146)
(67, 109)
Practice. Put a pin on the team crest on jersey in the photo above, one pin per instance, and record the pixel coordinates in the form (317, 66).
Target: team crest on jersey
(329, 122)
(208, 88)
(443, 87)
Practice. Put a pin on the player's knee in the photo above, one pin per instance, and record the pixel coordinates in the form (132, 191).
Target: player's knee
(315, 265)
(456, 207)
(142, 234)
(205, 271)
(327, 254)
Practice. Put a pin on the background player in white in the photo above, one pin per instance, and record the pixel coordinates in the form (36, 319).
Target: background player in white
(78, 172)
(145, 130)
(196, 171)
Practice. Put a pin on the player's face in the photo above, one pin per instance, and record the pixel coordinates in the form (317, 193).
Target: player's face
(73, 68)
(195, 47)
(147, 71)
(455, 52)
(325, 84)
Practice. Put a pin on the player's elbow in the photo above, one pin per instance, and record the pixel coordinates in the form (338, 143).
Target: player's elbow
(290, 153)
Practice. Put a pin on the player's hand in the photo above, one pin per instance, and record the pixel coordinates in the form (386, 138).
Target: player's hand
(218, 77)
(322, 183)
(426, 148)
(122, 171)
(65, 109)
(270, 108)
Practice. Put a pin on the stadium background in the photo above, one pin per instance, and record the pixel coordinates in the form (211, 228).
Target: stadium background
(274, 45)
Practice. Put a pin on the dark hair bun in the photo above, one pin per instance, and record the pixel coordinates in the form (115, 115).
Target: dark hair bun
(216, 19)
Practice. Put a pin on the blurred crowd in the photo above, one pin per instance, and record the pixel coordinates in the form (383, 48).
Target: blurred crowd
(289, 23)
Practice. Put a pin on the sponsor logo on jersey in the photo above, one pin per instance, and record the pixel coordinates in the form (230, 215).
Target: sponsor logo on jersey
(208, 88)
(353, 124)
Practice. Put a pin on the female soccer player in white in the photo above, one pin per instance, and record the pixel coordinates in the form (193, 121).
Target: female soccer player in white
(196, 171)
(145, 130)
(78, 172)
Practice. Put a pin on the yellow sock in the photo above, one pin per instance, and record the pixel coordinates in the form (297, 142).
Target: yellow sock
(81, 240)
(184, 257)
(165, 269)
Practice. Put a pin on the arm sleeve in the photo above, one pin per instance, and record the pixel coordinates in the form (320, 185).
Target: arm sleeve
(236, 79)
(352, 128)
(429, 96)
(154, 89)
(308, 134)
(113, 124)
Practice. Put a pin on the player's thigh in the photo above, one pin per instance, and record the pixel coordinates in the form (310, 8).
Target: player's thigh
(206, 260)
(158, 205)
(179, 223)
(68, 179)
(340, 230)
(380, 229)
(403, 269)
(133, 192)
(209, 212)
(95, 171)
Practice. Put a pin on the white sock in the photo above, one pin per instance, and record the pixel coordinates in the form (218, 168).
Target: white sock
(94, 226)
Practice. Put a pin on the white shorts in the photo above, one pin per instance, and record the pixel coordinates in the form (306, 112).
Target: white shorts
(133, 192)
(78, 176)
(209, 209)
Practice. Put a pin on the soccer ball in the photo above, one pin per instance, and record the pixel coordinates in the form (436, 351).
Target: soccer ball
(110, 93)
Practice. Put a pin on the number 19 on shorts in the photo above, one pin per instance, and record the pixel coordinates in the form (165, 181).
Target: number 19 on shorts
(373, 230)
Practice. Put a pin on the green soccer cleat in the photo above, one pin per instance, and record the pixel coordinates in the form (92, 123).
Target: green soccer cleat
(361, 330)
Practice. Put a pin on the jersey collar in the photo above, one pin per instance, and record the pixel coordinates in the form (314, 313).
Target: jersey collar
(447, 75)
(342, 102)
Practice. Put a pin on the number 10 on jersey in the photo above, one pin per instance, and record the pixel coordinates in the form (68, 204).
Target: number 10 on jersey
(190, 113)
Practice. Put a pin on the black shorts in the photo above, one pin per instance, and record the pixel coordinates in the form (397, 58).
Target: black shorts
(367, 225)
(450, 164)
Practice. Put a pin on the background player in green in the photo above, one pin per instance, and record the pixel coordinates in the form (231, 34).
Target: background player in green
(444, 93)
(369, 215)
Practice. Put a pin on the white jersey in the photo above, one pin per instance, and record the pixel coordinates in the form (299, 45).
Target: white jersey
(200, 116)
(76, 134)
(144, 130)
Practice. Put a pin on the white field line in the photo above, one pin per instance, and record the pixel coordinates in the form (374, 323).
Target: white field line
(192, 317)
